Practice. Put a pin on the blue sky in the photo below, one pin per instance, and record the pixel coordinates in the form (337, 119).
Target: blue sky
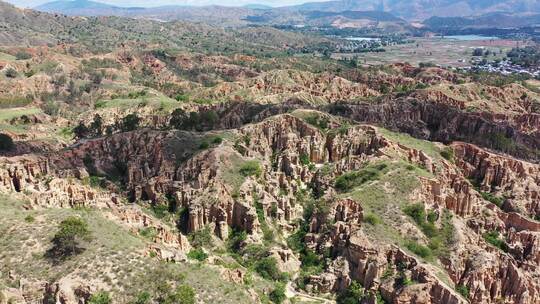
(32, 3)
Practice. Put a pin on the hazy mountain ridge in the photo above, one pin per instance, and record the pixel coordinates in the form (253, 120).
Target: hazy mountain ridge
(317, 13)
(499, 20)
(423, 9)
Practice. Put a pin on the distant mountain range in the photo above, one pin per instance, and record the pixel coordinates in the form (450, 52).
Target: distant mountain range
(407, 9)
(423, 9)
(438, 14)
(499, 20)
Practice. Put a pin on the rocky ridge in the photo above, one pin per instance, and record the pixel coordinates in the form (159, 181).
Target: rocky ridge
(279, 143)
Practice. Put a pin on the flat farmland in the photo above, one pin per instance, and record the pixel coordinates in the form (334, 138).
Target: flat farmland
(444, 52)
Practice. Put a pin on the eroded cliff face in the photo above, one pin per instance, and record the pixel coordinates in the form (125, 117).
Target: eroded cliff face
(216, 190)
(445, 123)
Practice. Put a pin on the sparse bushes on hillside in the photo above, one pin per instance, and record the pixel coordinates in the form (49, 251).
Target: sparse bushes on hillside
(200, 121)
(255, 257)
(23, 55)
(197, 254)
(51, 108)
(143, 298)
(11, 73)
(498, 201)
(236, 240)
(81, 131)
(267, 268)
(97, 63)
(418, 249)
(251, 168)
(427, 64)
(318, 121)
(463, 290)
(130, 122)
(501, 142)
(439, 239)
(182, 97)
(201, 238)
(6, 142)
(354, 294)
(13, 102)
(100, 297)
(448, 154)
(350, 180)
(304, 159)
(67, 241)
(178, 117)
(494, 239)
(183, 294)
(137, 94)
(372, 219)
(277, 295)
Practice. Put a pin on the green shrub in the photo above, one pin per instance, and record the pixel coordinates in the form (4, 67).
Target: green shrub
(268, 234)
(197, 254)
(217, 140)
(310, 259)
(204, 145)
(372, 219)
(143, 298)
(95, 181)
(432, 216)
(236, 240)
(493, 238)
(101, 297)
(463, 290)
(21, 55)
(251, 168)
(354, 294)
(501, 142)
(498, 201)
(267, 268)
(343, 129)
(350, 180)
(402, 280)
(201, 238)
(304, 159)
(448, 154)
(81, 130)
(137, 94)
(278, 294)
(67, 240)
(6, 143)
(130, 122)
(182, 97)
(29, 219)
(208, 119)
(418, 249)
(148, 232)
(100, 104)
(418, 213)
(318, 121)
(14, 102)
(51, 108)
(11, 73)
(183, 294)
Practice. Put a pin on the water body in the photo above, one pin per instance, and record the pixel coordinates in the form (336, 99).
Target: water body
(469, 37)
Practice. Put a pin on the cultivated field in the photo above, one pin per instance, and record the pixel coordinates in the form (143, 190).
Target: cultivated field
(445, 52)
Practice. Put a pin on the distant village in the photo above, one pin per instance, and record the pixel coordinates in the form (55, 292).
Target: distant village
(505, 67)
